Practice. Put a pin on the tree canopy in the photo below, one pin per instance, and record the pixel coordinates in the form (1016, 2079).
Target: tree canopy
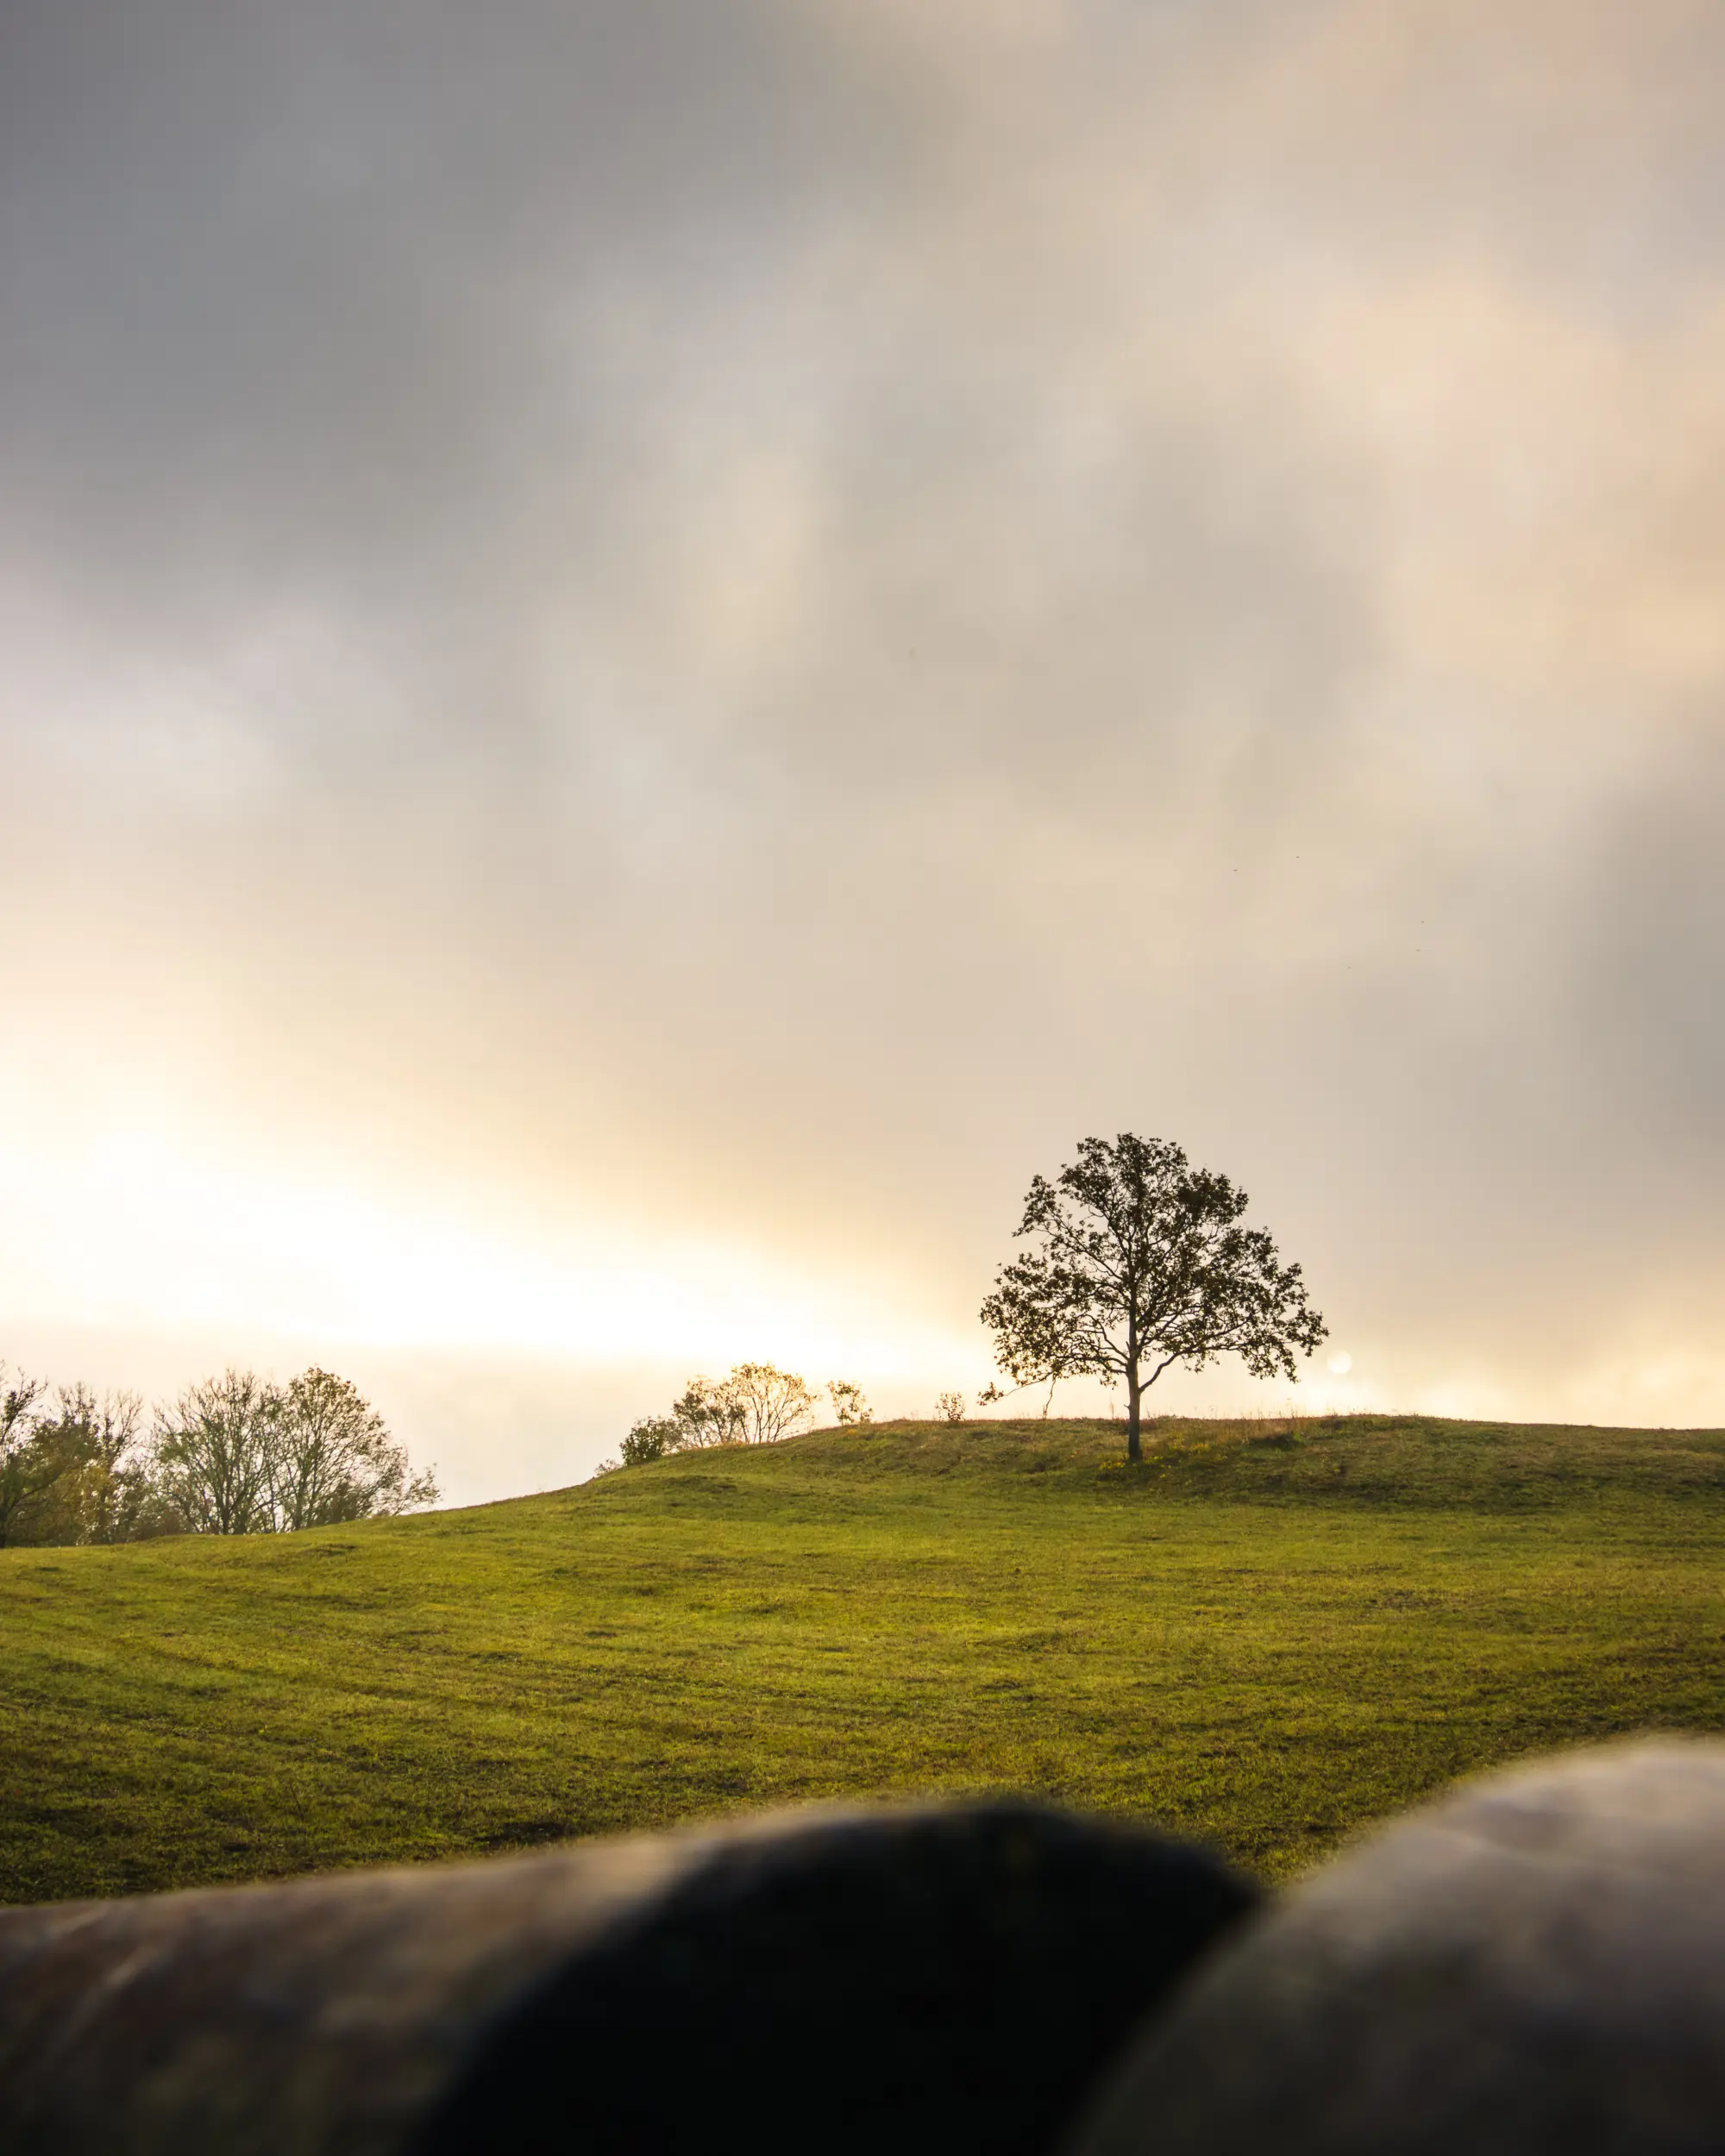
(1140, 1262)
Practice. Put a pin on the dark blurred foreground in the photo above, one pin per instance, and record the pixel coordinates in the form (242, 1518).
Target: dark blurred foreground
(1536, 1964)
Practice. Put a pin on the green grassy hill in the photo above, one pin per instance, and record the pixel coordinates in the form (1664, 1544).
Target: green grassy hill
(1267, 1635)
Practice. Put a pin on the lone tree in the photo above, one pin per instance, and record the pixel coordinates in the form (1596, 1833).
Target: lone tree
(1140, 1262)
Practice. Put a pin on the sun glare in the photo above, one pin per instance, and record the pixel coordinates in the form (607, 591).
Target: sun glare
(140, 1229)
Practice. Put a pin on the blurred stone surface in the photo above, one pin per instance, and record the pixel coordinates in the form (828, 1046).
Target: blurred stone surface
(1534, 1966)
(947, 1978)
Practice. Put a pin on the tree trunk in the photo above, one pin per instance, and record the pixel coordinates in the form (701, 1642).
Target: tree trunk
(1134, 1416)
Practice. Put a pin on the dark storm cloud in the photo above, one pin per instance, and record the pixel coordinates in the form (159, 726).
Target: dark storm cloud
(298, 282)
(1649, 981)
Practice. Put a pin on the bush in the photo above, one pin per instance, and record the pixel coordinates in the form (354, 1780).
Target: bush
(651, 1438)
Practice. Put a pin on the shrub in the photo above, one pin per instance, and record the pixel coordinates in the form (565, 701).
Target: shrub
(651, 1438)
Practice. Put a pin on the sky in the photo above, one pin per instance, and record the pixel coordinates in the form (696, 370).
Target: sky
(650, 649)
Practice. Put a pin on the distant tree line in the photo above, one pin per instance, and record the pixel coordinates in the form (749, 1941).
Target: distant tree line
(757, 1404)
(237, 1454)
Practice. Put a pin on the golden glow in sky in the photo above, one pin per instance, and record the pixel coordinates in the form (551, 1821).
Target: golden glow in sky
(649, 652)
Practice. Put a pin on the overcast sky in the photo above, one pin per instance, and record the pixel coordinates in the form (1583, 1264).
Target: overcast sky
(651, 648)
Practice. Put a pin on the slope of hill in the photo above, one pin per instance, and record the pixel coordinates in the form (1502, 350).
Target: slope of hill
(1267, 1635)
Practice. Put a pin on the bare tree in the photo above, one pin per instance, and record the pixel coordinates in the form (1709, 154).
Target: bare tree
(773, 1403)
(1141, 1263)
(239, 1455)
(708, 1412)
(757, 1404)
(330, 1458)
(213, 1453)
(849, 1406)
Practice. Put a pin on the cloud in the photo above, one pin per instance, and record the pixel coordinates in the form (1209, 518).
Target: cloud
(765, 615)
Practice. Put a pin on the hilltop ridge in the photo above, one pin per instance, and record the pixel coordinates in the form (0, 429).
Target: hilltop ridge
(1403, 1459)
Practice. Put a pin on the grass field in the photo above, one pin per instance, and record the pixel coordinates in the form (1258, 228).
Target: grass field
(1266, 1636)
